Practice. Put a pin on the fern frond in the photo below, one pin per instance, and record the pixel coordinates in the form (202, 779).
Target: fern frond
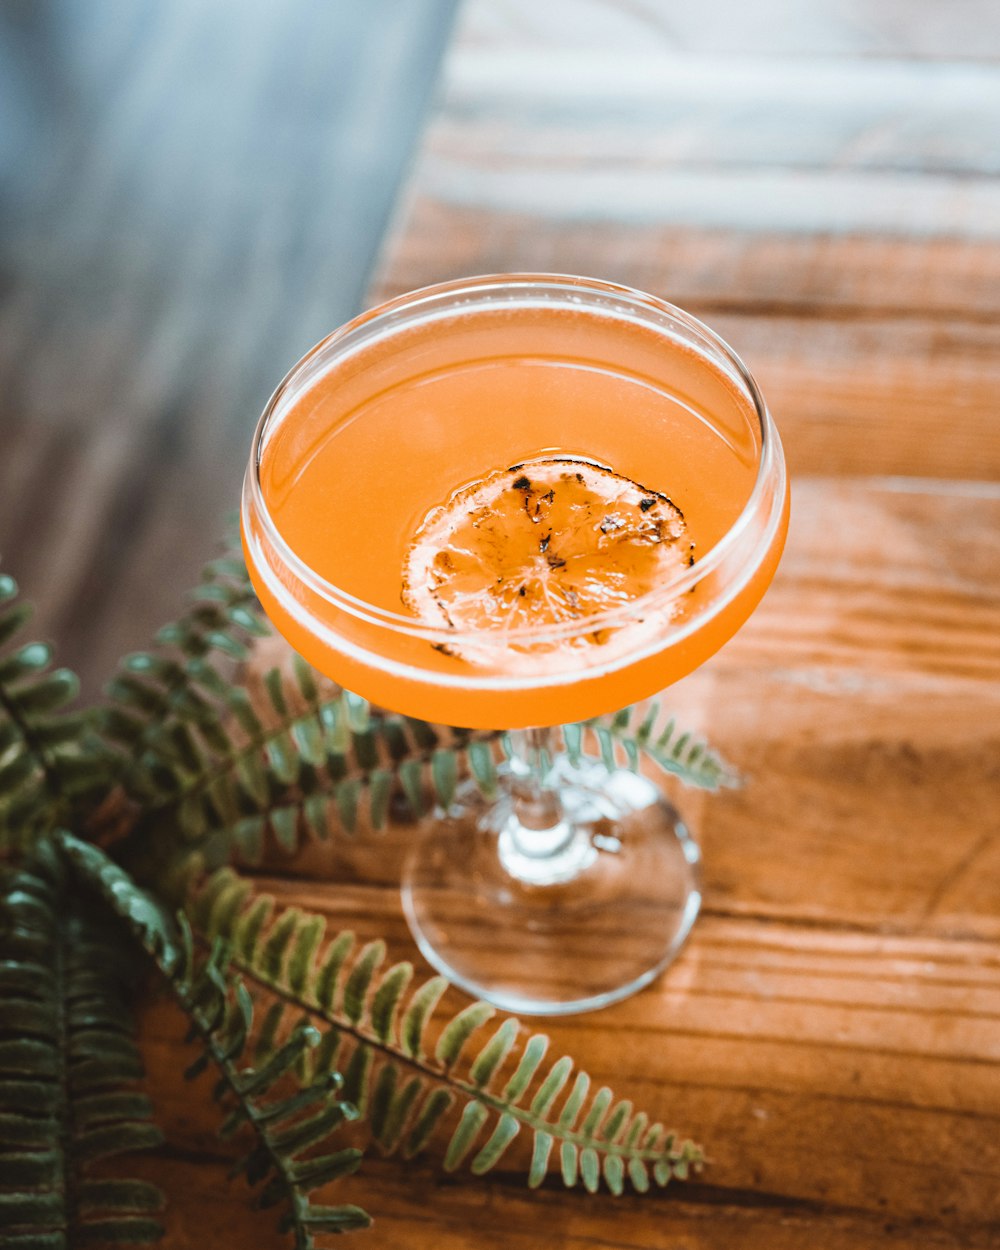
(334, 764)
(281, 1165)
(409, 1070)
(49, 765)
(157, 694)
(625, 736)
(69, 1069)
(298, 760)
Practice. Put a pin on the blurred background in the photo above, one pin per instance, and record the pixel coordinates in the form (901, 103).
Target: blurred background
(191, 194)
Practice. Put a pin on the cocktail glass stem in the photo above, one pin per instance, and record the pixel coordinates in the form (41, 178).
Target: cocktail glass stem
(539, 843)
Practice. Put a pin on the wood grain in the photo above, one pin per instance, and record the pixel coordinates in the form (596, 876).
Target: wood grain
(820, 182)
(835, 217)
(824, 1063)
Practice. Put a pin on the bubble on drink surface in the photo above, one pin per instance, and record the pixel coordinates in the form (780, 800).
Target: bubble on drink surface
(546, 543)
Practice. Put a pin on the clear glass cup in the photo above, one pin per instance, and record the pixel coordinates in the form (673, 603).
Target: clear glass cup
(575, 885)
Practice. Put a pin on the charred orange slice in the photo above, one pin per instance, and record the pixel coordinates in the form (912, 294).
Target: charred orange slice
(543, 543)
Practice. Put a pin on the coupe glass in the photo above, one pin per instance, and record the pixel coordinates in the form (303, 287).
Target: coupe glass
(573, 885)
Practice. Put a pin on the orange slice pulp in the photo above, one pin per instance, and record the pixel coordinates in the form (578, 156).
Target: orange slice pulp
(543, 543)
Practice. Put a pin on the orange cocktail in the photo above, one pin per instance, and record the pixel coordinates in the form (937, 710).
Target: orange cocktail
(515, 502)
(396, 413)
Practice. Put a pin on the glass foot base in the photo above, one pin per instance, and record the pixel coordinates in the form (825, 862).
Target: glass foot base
(566, 919)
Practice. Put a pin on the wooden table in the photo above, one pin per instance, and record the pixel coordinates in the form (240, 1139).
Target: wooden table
(819, 182)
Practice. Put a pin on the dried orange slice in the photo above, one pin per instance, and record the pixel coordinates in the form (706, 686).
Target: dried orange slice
(539, 544)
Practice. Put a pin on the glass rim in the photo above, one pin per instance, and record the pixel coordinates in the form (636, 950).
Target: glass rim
(422, 300)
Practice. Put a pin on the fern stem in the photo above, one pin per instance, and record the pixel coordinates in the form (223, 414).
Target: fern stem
(230, 1076)
(228, 760)
(710, 772)
(65, 1119)
(442, 1075)
(340, 1023)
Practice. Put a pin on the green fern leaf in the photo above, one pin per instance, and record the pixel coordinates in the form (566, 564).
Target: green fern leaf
(283, 759)
(382, 1098)
(45, 693)
(541, 1151)
(572, 736)
(507, 1128)
(51, 768)
(358, 712)
(444, 772)
(552, 1086)
(67, 1109)
(356, 1077)
(360, 979)
(398, 1111)
(458, 1031)
(347, 795)
(590, 1169)
(325, 1054)
(614, 1171)
(534, 1053)
(325, 990)
(342, 1219)
(227, 906)
(117, 1195)
(616, 1121)
(492, 1055)
(436, 1105)
(569, 1154)
(285, 823)
(247, 838)
(411, 776)
(308, 739)
(418, 1012)
(315, 1172)
(366, 749)
(308, 936)
(12, 619)
(571, 1108)
(253, 778)
(638, 1174)
(474, 1116)
(305, 678)
(598, 1109)
(607, 745)
(380, 794)
(482, 767)
(386, 1001)
(278, 941)
(249, 926)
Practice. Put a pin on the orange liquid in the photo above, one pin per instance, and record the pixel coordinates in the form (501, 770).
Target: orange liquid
(354, 465)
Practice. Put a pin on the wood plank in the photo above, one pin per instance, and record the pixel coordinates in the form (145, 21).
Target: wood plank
(918, 29)
(853, 277)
